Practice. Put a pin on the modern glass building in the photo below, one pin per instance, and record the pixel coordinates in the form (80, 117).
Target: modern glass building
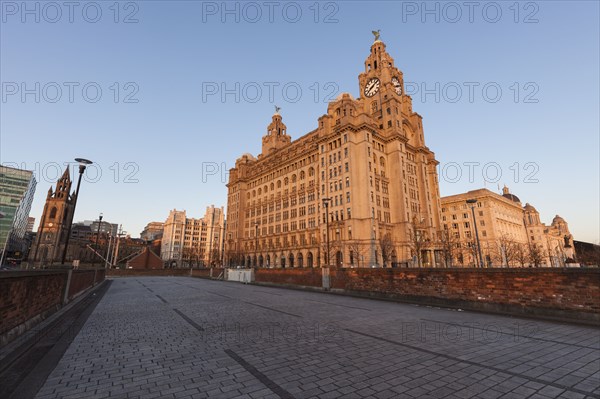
(17, 188)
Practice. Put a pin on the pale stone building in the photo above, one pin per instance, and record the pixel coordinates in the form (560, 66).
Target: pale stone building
(152, 231)
(189, 242)
(510, 234)
(359, 190)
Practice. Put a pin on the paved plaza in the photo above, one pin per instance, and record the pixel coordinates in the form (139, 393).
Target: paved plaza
(178, 337)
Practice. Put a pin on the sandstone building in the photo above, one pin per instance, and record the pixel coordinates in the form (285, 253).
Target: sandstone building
(510, 234)
(189, 242)
(152, 231)
(359, 190)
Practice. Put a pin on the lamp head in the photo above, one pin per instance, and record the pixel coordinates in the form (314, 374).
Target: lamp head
(82, 164)
(83, 161)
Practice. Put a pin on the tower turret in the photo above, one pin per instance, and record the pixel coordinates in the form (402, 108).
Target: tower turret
(276, 136)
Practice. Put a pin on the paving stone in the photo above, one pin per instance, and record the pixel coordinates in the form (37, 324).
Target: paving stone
(310, 345)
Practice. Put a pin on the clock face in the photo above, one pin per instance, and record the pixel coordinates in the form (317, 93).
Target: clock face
(372, 87)
(397, 85)
(50, 224)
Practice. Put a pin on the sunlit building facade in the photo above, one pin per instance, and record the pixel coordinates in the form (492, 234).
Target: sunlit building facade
(510, 234)
(361, 190)
(189, 242)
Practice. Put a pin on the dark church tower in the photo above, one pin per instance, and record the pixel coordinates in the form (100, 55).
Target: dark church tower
(54, 225)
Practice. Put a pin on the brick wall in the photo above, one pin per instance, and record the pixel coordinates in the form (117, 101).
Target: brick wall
(307, 277)
(147, 272)
(206, 273)
(28, 297)
(24, 295)
(527, 291)
(80, 281)
(568, 294)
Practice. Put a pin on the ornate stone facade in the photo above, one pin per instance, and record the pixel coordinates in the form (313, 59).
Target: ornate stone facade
(189, 242)
(360, 190)
(510, 234)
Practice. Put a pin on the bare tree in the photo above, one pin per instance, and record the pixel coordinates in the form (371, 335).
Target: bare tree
(189, 256)
(329, 259)
(418, 240)
(214, 255)
(387, 247)
(472, 248)
(536, 256)
(589, 255)
(448, 243)
(507, 250)
(521, 255)
(358, 250)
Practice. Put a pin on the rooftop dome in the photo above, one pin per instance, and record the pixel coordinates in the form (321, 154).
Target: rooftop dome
(506, 194)
(557, 219)
(511, 197)
(530, 208)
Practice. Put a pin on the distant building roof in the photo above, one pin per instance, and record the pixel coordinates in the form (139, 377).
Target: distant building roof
(145, 260)
(511, 197)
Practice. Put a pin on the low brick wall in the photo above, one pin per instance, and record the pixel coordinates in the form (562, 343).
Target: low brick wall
(567, 294)
(307, 277)
(81, 280)
(24, 295)
(147, 272)
(28, 297)
(561, 293)
(213, 272)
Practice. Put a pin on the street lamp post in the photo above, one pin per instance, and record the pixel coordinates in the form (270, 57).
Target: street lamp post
(82, 165)
(472, 202)
(326, 205)
(97, 237)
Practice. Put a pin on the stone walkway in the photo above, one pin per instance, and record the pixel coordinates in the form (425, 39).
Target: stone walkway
(191, 338)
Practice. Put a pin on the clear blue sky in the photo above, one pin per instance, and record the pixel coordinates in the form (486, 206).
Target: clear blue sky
(543, 56)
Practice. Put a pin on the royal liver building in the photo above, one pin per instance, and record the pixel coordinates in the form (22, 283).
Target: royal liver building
(360, 190)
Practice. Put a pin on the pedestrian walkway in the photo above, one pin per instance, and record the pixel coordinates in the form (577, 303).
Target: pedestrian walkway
(180, 337)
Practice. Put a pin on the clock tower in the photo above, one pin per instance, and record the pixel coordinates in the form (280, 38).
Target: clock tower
(54, 225)
(382, 95)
